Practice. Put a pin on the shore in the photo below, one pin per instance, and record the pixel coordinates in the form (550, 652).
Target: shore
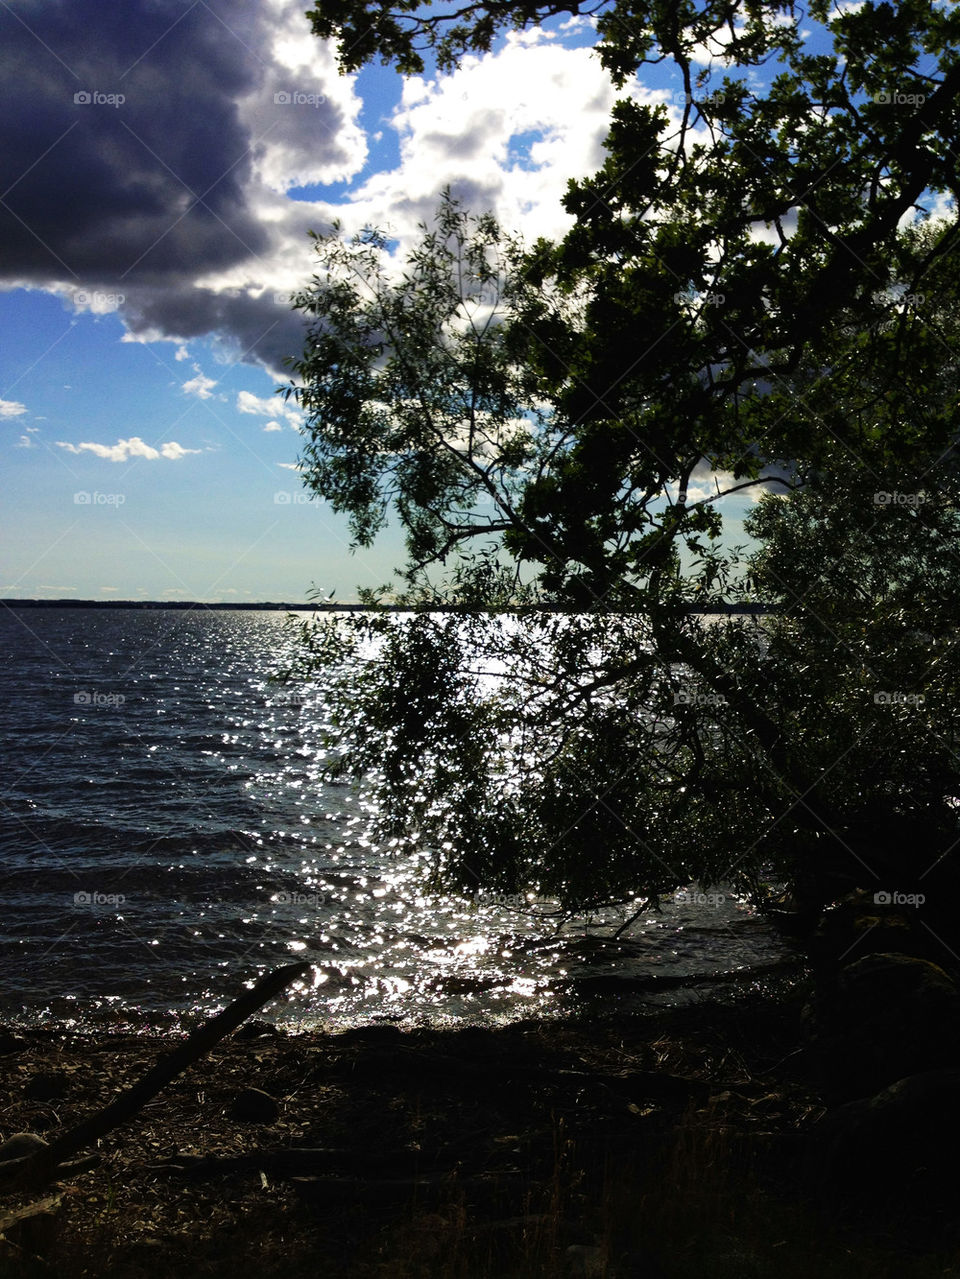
(648, 1146)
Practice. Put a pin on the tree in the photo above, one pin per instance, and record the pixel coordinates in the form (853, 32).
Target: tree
(744, 289)
(629, 33)
(418, 401)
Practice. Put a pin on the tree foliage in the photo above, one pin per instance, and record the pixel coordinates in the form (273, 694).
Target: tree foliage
(416, 400)
(751, 286)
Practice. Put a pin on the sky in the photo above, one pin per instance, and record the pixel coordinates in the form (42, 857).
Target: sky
(163, 162)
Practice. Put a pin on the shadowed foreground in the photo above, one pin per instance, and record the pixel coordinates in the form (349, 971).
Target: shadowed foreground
(675, 1144)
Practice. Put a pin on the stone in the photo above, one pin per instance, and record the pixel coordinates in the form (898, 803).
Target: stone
(254, 1106)
(375, 1036)
(257, 1028)
(49, 1085)
(892, 1155)
(20, 1146)
(581, 1261)
(860, 926)
(888, 1016)
(10, 1041)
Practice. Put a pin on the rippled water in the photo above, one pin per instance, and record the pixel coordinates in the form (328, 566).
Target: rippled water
(165, 836)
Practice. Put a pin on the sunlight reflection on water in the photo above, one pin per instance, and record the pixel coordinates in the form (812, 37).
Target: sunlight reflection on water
(169, 848)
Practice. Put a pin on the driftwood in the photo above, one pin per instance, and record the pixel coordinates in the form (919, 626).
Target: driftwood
(41, 1167)
(42, 1208)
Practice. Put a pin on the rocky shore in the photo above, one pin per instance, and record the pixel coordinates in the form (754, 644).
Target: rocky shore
(802, 1125)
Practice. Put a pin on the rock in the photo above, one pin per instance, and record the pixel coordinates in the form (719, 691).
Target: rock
(375, 1036)
(20, 1145)
(10, 1041)
(638, 1265)
(893, 1155)
(49, 1085)
(254, 1106)
(889, 1016)
(257, 1028)
(29, 1233)
(584, 1262)
(860, 926)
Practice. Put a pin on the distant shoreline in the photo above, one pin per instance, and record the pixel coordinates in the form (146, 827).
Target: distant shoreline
(286, 607)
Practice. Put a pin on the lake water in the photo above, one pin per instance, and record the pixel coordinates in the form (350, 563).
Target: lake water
(165, 837)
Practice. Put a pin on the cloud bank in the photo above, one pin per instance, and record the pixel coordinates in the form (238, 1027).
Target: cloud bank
(152, 165)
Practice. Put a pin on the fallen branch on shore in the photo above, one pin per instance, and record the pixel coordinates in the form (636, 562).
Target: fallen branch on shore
(42, 1208)
(41, 1167)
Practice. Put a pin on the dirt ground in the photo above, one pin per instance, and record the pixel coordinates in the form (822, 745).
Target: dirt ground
(666, 1144)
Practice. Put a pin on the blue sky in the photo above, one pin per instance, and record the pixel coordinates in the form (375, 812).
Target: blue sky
(151, 244)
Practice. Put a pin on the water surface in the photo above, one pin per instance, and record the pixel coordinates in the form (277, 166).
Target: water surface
(165, 836)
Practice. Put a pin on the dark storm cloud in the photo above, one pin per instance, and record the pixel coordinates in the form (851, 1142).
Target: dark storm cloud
(139, 187)
(131, 138)
(261, 328)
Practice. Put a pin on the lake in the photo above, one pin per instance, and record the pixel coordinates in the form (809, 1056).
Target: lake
(166, 836)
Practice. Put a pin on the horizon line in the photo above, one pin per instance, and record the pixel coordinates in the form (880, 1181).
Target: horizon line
(330, 606)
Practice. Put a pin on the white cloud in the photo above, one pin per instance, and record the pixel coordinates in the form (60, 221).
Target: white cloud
(303, 115)
(125, 449)
(500, 130)
(200, 386)
(715, 48)
(289, 466)
(273, 426)
(175, 451)
(11, 408)
(705, 484)
(578, 23)
(268, 406)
